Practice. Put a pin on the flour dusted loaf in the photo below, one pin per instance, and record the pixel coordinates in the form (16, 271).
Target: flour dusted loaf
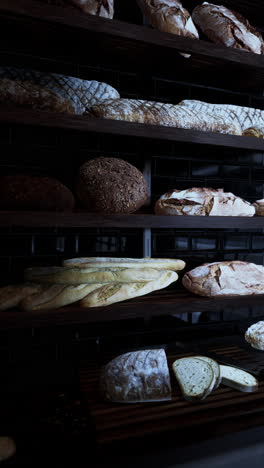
(169, 16)
(138, 376)
(255, 335)
(202, 202)
(157, 113)
(25, 192)
(104, 8)
(50, 91)
(116, 292)
(11, 296)
(231, 278)
(111, 185)
(259, 206)
(227, 27)
(108, 262)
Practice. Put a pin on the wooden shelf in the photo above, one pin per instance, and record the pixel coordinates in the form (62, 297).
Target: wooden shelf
(65, 34)
(165, 302)
(136, 221)
(115, 127)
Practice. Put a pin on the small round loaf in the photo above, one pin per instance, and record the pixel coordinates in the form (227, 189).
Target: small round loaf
(255, 335)
(111, 185)
(25, 192)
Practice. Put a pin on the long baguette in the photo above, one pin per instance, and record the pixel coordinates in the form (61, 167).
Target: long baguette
(109, 262)
(11, 296)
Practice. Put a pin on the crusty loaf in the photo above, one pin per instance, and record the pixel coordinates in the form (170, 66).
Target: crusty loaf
(227, 27)
(138, 376)
(156, 113)
(11, 296)
(202, 202)
(104, 8)
(108, 262)
(116, 292)
(169, 16)
(259, 206)
(231, 278)
(257, 132)
(255, 335)
(57, 295)
(63, 275)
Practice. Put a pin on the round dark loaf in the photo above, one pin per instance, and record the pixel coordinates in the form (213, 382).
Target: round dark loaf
(25, 192)
(111, 185)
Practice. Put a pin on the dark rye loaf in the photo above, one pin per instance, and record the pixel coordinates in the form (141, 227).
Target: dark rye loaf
(111, 185)
(25, 192)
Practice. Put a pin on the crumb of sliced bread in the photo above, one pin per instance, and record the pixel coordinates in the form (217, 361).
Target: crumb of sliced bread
(216, 368)
(238, 379)
(195, 377)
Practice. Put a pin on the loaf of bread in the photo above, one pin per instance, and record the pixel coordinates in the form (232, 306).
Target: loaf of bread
(156, 113)
(116, 292)
(111, 185)
(63, 275)
(136, 377)
(255, 335)
(104, 8)
(259, 206)
(227, 27)
(257, 132)
(242, 117)
(231, 278)
(195, 377)
(109, 262)
(24, 192)
(7, 448)
(169, 16)
(11, 296)
(202, 202)
(50, 91)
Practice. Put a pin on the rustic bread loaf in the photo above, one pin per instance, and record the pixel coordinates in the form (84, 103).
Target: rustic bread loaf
(72, 276)
(255, 335)
(50, 91)
(231, 278)
(259, 206)
(136, 377)
(116, 292)
(227, 27)
(7, 448)
(257, 132)
(157, 113)
(243, 117)
(108, 262)
(111, 185)
(104, 8)
(202, 202)
(25, 192)
(195, 377)
(169, 16)
(11, 296)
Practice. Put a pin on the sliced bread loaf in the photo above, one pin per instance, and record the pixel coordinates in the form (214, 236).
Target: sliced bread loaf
(238, 379)
(195, 377)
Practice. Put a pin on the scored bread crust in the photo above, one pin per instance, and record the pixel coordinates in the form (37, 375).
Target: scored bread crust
(117, 292)
(108, 262)
(255, 335)
(138, 376)
(63, 275)
(203, 365)
(11, 296)
(230, 278)
(104, 8)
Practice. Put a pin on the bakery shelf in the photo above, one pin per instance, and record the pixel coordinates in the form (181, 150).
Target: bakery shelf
(115, 42)
(35, 118)
(160, 303)
(137, 221)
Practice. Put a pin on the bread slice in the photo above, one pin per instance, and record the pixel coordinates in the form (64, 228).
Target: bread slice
(216, 368)
(117, 292)
(195, 377)
(109, 262)
(63, 275)
(238, 379)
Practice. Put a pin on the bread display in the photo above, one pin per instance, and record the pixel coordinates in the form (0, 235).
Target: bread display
(109, 262)
(227, 27)
(195, 377)
(157, 113)
(116, 292)
(25, 192)
(169, 16)
(238, 379)
(50, 91)
(11, 296)
(202, 202)
(138, 376)
(255, 335)
(111, 185)
(104, 8)
(7, 448)
(259, 207)
(230, 278)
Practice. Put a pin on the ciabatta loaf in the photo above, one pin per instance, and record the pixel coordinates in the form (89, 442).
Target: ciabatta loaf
(227, 27)
(202, 202)
(231, 278)
(157, 113)
(116, 292)
(63, 275)
(238, 379)
(195, 377)
(169, 16)
(109, 262)
(138, 376)
(255, 335)
(104, 8)
(11, 296)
